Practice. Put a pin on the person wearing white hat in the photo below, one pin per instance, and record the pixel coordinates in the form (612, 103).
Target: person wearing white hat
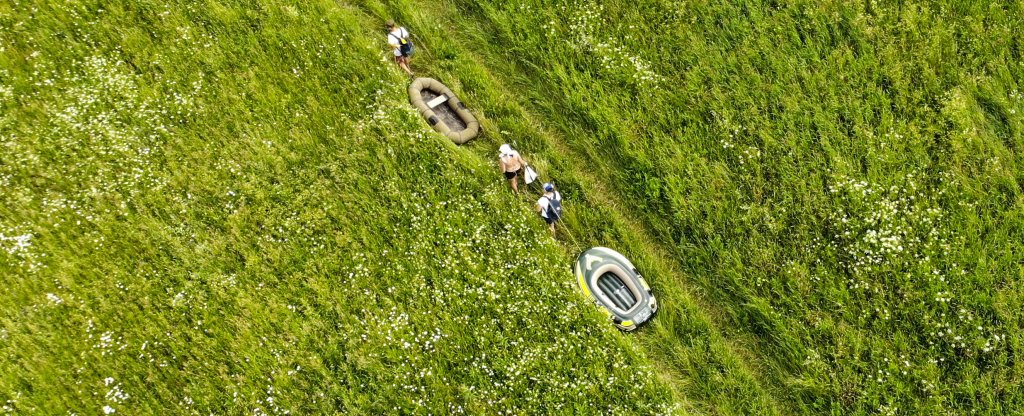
(511, 163)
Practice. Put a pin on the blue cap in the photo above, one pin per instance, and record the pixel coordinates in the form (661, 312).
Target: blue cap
(549, 187)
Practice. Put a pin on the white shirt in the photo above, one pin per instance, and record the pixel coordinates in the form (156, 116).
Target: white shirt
(394, 36)
(543, 202)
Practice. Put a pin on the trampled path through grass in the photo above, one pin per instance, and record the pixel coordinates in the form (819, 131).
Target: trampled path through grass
(229, 207)
(692, 355)
(806, 167)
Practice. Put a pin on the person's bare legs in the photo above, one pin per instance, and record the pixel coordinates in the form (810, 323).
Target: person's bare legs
(552, 229)
(403, 62)
(515, 184)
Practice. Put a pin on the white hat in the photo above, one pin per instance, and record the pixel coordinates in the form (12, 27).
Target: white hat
(505, 149)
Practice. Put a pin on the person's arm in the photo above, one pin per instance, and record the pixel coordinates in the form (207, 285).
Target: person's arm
(522, 162)
(501, 165)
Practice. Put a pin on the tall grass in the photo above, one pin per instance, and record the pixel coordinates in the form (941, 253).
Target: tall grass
(838, 178)
(228, 207)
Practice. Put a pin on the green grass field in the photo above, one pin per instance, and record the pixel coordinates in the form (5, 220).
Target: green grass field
(225, 207)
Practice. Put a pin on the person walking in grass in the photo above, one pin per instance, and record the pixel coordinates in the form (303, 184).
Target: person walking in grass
(398, 39)
(549, 206)
(511, 163)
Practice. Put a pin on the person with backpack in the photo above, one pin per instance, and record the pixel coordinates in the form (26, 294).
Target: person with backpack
(398, 39)
(511, 163)
(550, 206)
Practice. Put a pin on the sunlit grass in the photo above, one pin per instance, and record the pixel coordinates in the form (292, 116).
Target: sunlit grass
(229, 208)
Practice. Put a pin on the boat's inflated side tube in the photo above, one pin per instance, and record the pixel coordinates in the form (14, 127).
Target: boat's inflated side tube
(416, 98)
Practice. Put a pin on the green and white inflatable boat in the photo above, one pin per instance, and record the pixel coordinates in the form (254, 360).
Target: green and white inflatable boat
(611, 281)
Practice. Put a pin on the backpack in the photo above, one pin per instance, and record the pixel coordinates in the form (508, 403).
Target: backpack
(404, 44)
(554, 208)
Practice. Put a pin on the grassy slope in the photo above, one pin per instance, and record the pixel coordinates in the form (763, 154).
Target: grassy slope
(840, 179)
(228, 209)
(273, 240)
(705, 369)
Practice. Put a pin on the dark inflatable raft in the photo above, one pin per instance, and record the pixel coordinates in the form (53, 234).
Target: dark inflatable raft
(443, 110)
(611, 281)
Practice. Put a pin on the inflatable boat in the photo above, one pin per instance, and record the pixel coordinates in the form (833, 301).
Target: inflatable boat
(443, 110)
(611, 281)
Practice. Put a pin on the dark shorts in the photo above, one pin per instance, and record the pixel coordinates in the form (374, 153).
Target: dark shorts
(510, 175)
(549, 220)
